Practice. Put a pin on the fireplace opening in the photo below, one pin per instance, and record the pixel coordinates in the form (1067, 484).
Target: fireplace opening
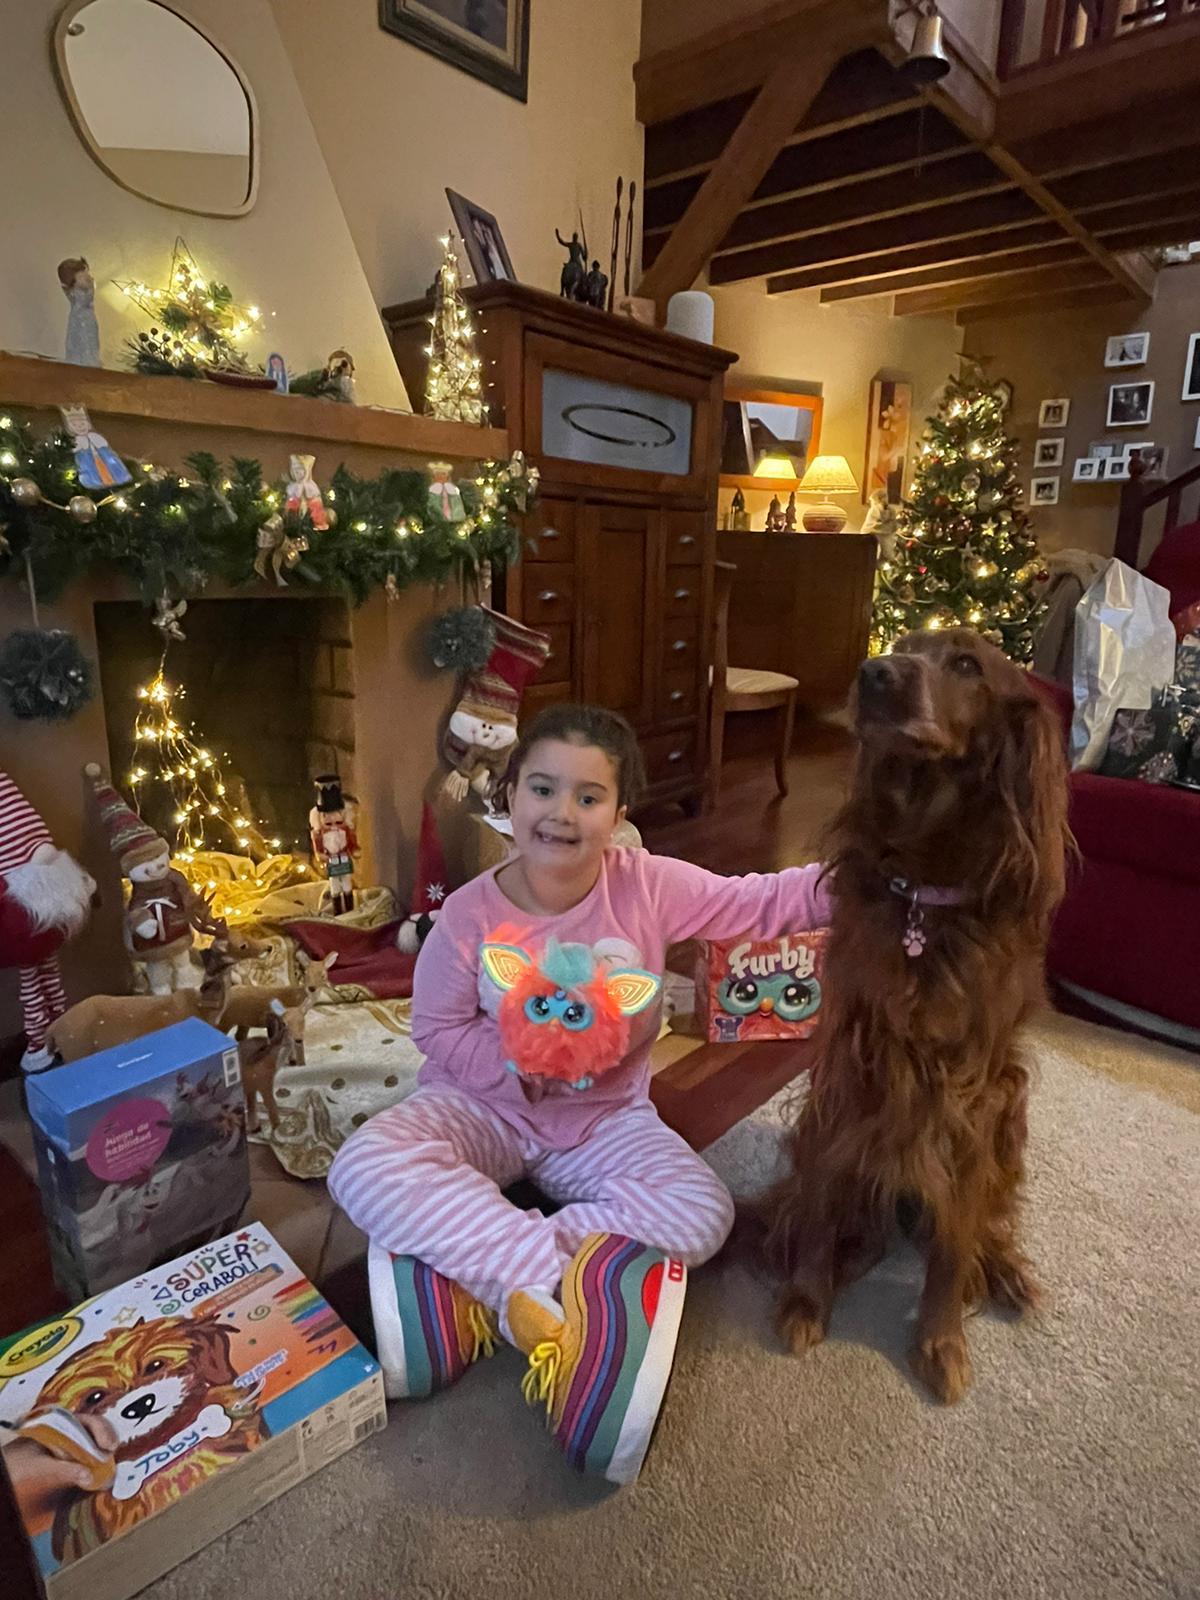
(267, 687)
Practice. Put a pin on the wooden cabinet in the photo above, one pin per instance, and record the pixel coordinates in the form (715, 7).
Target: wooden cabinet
(624, 424)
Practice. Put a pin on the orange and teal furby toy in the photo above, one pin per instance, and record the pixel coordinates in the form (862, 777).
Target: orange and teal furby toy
(567, 1014)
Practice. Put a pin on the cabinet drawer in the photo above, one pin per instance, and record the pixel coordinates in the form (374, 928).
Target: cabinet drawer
(540, 695)
(557, 668)
(549, 592)
(550, 533)
(670, 755)
(682, 595)
(680, 644)
(678, 696)
(684, 538)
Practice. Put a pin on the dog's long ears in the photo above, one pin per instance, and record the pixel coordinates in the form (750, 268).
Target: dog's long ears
(1031, 774)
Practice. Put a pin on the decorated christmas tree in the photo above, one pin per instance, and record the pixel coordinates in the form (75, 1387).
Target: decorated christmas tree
(964, 555)
(454, 387)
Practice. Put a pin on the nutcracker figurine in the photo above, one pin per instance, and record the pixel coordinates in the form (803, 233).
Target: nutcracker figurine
(334, 841)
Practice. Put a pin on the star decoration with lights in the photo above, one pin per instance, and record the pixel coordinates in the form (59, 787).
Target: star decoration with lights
(197, 323)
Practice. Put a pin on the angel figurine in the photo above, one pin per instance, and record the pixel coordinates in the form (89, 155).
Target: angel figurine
(83, 331)
(303, 493)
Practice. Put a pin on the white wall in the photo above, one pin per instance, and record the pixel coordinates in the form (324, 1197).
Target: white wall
(293, 254)
(398, 126)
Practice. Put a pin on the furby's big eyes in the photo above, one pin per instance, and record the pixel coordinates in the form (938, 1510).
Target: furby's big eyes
(741, 997)
(537, 1009)
(798, 999)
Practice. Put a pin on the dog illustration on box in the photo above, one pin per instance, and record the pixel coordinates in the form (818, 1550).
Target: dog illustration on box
(166, 1392)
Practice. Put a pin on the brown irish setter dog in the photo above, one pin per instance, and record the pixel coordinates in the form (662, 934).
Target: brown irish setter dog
(947, 861)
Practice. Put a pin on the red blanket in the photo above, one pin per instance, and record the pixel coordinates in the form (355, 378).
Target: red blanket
(366, 957)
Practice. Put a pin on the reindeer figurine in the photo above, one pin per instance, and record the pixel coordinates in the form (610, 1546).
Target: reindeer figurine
(249, 1005)
(104, 1020)
(261, 1058)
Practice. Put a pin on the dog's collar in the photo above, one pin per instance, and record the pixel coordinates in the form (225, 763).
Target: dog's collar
(919, 896)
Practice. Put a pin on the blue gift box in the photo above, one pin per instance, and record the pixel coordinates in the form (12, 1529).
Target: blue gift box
(141, 1153)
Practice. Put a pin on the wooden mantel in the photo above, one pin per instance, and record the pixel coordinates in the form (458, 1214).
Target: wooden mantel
(194, 402)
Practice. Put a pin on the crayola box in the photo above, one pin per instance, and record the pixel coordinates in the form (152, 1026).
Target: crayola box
(760, 988)
(141, 1153)
(190, 1397)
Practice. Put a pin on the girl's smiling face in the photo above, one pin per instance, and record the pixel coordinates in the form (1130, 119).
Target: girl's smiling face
(564, 805)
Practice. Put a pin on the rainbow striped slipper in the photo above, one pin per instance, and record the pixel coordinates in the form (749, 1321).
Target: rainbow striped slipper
(600, 1366)
(428, 1330)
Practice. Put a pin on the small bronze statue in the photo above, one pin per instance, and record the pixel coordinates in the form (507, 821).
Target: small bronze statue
(595, 287)
(774, 516)
(739, 517)
(789, 516)
(572, 283)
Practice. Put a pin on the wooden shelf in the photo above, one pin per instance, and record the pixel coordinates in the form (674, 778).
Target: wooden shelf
(28, 382)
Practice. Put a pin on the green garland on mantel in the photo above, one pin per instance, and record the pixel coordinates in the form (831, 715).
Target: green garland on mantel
(174, 532)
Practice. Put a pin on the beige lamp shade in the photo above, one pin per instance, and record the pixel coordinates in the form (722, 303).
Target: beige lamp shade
(826, 475)
(777, 466)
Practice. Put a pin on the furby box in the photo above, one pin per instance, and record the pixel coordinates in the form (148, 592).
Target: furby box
(141, 1153)
(760, 988)
(192, 1396)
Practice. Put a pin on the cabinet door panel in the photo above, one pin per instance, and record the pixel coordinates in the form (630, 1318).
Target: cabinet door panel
(619, 579)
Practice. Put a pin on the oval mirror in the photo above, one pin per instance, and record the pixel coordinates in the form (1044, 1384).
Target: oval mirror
(160, 107)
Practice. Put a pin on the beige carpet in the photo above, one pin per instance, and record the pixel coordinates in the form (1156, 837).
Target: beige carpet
(1072, 1472)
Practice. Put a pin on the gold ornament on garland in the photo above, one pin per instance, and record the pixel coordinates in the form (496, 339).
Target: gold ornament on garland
(25, 491)
(198, 325)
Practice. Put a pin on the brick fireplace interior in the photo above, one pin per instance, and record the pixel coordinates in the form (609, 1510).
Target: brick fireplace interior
(269, 686)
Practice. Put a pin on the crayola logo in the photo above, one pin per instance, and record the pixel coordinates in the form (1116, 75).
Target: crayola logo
(32, 1349)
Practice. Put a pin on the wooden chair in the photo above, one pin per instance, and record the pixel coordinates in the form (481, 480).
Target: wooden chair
(736, 689)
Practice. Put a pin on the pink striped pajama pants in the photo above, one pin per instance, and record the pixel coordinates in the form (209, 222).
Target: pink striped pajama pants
(424, 1178)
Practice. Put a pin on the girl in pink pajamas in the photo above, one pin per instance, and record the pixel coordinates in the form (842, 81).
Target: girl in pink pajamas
(536, 1002)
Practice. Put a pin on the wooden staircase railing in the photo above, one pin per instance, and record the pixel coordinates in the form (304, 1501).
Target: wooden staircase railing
(1137, 497)
(1069, 26)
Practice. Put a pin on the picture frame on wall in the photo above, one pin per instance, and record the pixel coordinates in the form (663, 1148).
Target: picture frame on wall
(482, 240)
(489, 41)
(1191, 369)
(1116, 468)
(889, 425)
(1130, 405)
(1127, 350)
(1087, 470)
(1153, 458)
(1196, 440)
(1043, 491)
(1054, 413)
(1103, 451)
(1049, 453)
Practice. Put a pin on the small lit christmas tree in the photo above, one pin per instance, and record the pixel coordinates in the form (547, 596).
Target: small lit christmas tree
(964, 555)
(454, 388)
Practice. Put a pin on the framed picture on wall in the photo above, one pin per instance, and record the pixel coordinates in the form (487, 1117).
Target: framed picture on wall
(487, 38)
(1116, 467)
(889, 421)
(1049, 452)
(1191, 369)
(1196, 440)
(1130, 404)
(769, 437)
(1153, 457)
(1054, 413)
(1087, 470)
(480, 232)
(1043, 491)
(1127, 350)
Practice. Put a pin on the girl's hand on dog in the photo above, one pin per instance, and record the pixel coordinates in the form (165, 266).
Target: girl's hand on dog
(40, 1479)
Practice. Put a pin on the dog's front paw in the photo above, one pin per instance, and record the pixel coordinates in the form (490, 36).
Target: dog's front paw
(799, 1321)
(943, 1364)
(1011, 1284)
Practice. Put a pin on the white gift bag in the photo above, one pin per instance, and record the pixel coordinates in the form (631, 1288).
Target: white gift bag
(1124, 651)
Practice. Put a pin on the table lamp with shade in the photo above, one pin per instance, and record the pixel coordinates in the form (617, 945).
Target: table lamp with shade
(826, 475)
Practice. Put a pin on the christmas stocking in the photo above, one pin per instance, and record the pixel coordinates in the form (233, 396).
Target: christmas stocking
(44, 899)
(429, 890)
(483, 727)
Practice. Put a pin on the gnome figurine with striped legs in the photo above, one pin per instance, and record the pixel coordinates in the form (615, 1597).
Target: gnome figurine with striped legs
(163, 908)
(45, 897)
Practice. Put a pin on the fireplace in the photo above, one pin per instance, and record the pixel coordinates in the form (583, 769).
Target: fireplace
(268, 688)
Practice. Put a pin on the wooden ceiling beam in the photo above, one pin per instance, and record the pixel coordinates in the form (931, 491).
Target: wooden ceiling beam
(950, 182)
(927, 225)
(738, 56)
(858, 155)
(791, 87)
(860, 91)
(1143, 179)
(1065, 252)
(1025, 285)
(1168, 211)
(1105, 294)
(941, 254)
(1150, 234)
(1110, 141)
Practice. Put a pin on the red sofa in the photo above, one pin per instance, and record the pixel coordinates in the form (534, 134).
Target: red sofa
(1129, 928)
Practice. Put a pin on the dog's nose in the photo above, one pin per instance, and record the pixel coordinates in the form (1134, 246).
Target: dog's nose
(138, 1410)
(877, 674)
